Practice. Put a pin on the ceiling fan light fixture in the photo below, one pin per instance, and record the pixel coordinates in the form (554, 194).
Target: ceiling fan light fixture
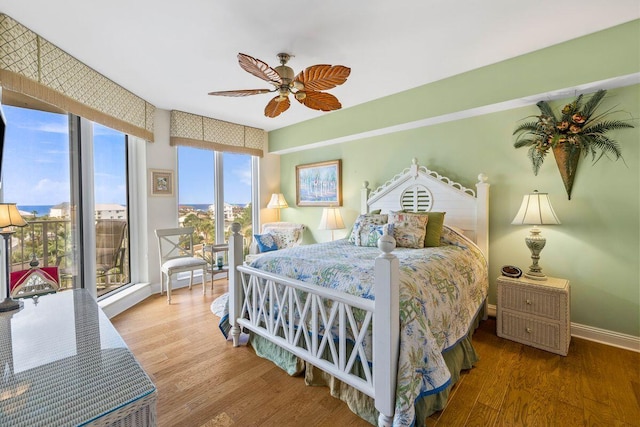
(283, 91)
(300, 95)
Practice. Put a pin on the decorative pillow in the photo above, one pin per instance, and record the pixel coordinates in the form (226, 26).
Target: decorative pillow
(409, 229)
(284, 238)
(366, 219)
(434, 229)
(370, 233)
(265, 242)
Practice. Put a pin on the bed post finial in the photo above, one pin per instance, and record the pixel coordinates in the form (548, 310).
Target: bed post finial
(364, 196)
(235, 281)
(414, 167)
(386, 244)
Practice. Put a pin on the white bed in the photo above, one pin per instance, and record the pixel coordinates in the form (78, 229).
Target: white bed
(356, 339)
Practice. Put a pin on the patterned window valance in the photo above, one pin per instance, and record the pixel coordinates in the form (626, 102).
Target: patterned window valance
(203, 132)
(33, 66)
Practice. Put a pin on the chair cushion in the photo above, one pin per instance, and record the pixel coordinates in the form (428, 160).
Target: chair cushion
(186, 263)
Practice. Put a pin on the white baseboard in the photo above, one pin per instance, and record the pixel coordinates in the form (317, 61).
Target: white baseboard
(615, 339)
(125, 299)
(603, 336)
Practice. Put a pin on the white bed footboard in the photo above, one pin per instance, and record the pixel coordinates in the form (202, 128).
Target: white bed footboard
(310, 320)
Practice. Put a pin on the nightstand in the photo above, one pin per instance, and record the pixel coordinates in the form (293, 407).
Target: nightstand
(535, 312)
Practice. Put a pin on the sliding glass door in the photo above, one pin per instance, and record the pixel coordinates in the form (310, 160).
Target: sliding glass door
(66, 174)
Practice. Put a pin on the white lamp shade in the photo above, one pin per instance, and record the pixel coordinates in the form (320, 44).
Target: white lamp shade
(331, 219)
(277, 201)
(536, 209)
(10, 216)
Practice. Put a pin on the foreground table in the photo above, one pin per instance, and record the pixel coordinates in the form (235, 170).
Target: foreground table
(64, 364)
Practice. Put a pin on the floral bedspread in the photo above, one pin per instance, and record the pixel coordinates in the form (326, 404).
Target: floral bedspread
(441, 291)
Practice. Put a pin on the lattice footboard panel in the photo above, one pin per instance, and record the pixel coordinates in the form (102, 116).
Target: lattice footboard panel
(330, 329)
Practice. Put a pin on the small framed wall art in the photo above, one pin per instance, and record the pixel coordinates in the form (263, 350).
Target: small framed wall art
(161, 182)
(319, 184)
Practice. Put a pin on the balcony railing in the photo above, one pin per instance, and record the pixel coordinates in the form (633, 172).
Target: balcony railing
(49, 243)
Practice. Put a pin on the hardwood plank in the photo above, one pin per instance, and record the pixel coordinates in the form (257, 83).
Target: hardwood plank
(203, 381)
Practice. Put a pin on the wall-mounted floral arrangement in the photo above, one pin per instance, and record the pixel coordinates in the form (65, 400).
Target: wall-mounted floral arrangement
(579, 128)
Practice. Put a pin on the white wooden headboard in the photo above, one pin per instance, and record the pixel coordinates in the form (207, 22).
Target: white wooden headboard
(419, 189)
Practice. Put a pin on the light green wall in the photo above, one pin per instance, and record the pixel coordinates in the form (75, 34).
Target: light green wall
(597, 246)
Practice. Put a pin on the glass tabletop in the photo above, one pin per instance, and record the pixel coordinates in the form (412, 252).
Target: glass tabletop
(64, 363)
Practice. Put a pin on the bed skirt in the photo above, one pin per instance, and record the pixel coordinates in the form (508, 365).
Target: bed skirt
(461, 356)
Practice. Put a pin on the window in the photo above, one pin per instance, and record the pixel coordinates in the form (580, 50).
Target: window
(111, 208)
(37, 177)
(45, 154)
(204, 177)
(237, 176)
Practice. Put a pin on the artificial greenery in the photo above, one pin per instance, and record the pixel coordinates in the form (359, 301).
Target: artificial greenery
(578, 128)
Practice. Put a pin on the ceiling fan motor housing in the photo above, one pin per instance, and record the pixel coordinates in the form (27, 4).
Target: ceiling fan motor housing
(286, 74)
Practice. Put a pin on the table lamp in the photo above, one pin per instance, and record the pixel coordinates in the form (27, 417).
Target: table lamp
(277, 202)
(535, 210)
(9, 218)
(331, 220)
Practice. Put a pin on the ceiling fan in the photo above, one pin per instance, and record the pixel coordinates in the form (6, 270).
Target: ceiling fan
(305, 87)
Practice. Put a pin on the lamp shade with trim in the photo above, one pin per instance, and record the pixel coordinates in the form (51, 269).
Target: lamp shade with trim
(536, 209)
(277, 201)
(331, 219)
(10, 216)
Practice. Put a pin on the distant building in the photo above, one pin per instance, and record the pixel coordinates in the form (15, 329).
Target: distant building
(61, 210)
(103, 211)
(110, 211)
(228, 211)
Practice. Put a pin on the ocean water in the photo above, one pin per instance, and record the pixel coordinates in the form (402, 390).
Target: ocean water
(39, 209)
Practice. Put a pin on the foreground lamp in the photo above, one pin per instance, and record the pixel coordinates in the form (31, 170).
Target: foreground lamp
(9, 218)
(535, 210)
(277, 202)
(331, 220)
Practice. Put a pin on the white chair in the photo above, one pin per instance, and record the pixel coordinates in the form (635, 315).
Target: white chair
(176, 256)
(286, 235)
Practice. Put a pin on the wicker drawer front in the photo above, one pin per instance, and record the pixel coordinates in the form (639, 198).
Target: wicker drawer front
(531, 331)
(545, 304)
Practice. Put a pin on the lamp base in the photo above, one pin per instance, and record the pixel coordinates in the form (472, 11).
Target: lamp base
(535, 275)
(535, 242)
(10, 304)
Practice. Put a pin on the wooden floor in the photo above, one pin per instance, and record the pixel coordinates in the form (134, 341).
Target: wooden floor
(203, 381)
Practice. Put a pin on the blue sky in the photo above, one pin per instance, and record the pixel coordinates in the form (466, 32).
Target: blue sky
(35, 165)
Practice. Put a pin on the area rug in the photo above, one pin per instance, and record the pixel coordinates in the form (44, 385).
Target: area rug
(220, 308)
(219, 305)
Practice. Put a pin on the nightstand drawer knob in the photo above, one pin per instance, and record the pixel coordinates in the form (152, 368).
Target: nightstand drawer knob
(528, 330)
(528, 302)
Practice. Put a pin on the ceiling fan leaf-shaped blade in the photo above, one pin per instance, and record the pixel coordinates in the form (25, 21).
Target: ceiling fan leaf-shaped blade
(241, 92)
(323, 77)
(259, 69)
(276, 106)
(320, 101)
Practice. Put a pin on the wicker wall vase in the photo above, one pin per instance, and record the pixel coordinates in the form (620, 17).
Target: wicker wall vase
(567, 157)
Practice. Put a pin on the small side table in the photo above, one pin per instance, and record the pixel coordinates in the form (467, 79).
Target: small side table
(213, 267)
(535, 312)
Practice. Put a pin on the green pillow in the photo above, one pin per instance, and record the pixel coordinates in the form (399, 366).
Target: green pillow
(434, 229)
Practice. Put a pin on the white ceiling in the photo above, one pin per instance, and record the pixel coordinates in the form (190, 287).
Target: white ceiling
(172, 53)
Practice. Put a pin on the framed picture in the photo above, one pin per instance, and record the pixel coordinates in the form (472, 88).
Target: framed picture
(161, 182)
(319, 184)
